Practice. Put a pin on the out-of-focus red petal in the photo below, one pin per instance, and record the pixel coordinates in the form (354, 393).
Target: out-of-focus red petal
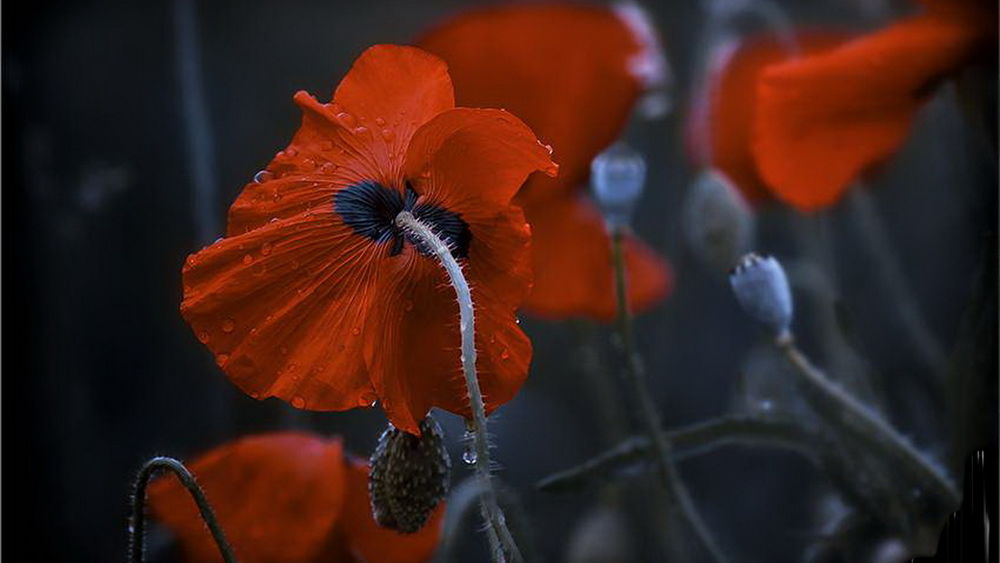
(719, 126)
(573, 265)
(823, 120)
(369, 542)
(389, 93)
(465, 157)
(416, 363)
(562, 68)
(278, 497)
(284, 309)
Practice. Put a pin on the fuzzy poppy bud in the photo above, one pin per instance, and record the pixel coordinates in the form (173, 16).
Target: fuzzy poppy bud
(718, 222)
(761, 287)
(617, 178)
(409, 476)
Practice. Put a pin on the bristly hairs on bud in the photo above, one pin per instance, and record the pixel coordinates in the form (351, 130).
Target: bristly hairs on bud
(718, 223)
(617, 177)
(409, 476)
(761, 287)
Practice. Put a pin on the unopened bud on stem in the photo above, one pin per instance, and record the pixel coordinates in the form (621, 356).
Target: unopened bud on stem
(761, 287)
(617, 176)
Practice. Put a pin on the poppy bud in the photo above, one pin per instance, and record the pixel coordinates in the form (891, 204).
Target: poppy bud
(617, 178)
(409, 476)
(718, 221)
(761, 287)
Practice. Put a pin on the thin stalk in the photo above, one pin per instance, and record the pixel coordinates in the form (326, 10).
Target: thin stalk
(502, 543)
(137, 521)
(865, 425)
(870, 227)
(669, 476)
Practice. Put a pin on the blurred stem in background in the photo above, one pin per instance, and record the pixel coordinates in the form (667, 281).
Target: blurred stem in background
(669, 476)
(137, 521)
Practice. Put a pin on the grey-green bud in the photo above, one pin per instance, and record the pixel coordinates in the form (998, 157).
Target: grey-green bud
(761, 287)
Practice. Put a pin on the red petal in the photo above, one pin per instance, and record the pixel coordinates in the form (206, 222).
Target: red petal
(373, 544)
(719, 125)
(389, 93)
(823, 120)
(563, 69)
(416, 363)
(573, 268)
(277, 498)
(283, 307)
(465, 158)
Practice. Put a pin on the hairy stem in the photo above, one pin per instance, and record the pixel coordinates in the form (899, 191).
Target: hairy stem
(137, 521)
(863, 424)
(669, 476)
(502, 543)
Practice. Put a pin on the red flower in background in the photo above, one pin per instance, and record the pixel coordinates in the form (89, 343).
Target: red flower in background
(573, 73)
(719, 127)
(314, 295)
(287, 497)
(823, 120)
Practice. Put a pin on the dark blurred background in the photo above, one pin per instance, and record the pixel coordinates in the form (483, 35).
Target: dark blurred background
(100, 210)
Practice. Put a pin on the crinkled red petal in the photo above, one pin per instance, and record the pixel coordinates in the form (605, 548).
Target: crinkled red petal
(278, 497)
(574, 274)
(824, 120)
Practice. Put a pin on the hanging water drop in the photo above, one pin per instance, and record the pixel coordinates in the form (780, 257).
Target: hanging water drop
(298, 402)
(263, 176)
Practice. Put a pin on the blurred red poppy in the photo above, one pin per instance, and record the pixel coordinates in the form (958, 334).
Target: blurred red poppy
(719, 125)
(823, 120)
(314, 296)
(287, 497)
(573, 73)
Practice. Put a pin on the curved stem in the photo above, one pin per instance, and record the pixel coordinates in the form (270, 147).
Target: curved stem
(137, 521)
(864, 425)
(496, 525)
(669, 476)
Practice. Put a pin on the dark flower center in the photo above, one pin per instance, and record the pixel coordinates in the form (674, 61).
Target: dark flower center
(371, 208)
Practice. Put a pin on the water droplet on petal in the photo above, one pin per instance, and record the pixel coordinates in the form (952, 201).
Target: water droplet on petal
(228, 325)
(203, 336)
(265, 248)
(356, 330)
(328, 168)
(247, 259)
(277, 196)
(298, 402)
(346, 119)
(469, 456)
(368, 400)
(308, 164)
(291, 152)
(505, 354)
(263, 176)
(360, 130)
(548, 148)
(380, 122)
(221, 359)
(387, 134)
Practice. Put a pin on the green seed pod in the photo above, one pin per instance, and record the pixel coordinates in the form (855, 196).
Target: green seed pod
(409, 476)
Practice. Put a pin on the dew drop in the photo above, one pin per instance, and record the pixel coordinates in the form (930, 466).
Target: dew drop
(254, 395)
(203, 336)
(360, 130)
(328, 168)
(221, 359)
(505, 354)
(469, 456)
(367, 400)
(262, 176)
(308, 164)
(548, 148)
(191, 261)
(380, 122)
(291, 152)
(356, 331)
(265, 248)
(247, 259)
(387, 134)
(277, 196)
(228, 325)
(346, 119)
(298, 402)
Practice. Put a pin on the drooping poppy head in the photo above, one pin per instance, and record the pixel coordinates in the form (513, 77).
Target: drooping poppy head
(288, 496)
(574, 73)
(315, 297)
(719, 125)
(824, 120)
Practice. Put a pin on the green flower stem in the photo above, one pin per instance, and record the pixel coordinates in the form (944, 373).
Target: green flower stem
(635, 371)
(137, 522)
(864, 425)
(502, 543)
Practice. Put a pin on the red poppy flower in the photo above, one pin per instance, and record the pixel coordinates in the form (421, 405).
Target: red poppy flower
(287, 497)
(719, 124)
(823, 120)
(314, 295)
(573, 73)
